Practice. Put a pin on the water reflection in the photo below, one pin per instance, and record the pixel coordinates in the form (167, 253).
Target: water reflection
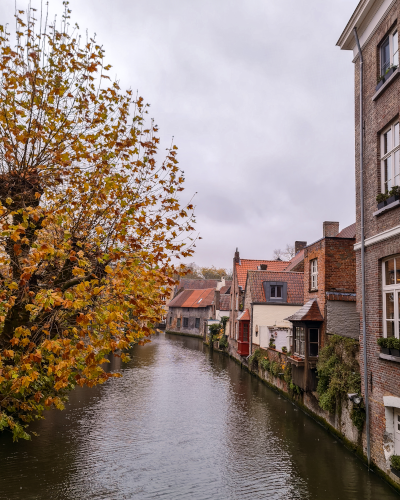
(183, 423)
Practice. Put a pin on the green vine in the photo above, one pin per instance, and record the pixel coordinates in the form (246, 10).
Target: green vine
(339, 375)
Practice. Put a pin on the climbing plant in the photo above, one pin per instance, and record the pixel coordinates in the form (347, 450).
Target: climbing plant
(339, 375)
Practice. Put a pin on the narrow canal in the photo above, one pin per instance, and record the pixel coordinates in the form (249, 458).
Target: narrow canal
(182, 424)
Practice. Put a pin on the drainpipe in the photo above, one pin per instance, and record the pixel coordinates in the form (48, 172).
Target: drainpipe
(366, 395)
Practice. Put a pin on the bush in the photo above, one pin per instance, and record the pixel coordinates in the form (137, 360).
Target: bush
(382, 197)
(357, 416)
(223, 343)
(284, 349)
(256, 357)
(383, 342)
(265, 364)
(395, 462)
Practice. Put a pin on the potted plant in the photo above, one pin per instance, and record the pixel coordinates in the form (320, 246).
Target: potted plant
(390, 72)
(272, 343)
(380, 82)
(381, 199)
(284, 349)
(395, 464)
(394, 345)
(394, 194)
(384, 345)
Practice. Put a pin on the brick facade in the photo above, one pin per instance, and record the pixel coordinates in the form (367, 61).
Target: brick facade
(380, 109)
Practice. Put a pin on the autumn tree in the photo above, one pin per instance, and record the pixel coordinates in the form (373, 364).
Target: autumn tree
(193, 271)
(89, 219)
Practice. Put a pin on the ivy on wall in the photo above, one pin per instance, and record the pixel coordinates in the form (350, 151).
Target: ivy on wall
(338, 375)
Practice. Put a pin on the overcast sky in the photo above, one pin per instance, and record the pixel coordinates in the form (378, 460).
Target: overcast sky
(260, 103)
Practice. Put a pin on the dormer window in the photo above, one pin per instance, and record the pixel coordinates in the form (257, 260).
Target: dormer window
(275, 291)
(389, 52)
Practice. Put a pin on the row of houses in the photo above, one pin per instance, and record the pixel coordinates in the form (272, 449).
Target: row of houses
(348, 282)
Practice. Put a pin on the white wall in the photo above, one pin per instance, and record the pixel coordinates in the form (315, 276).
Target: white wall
(270, 319)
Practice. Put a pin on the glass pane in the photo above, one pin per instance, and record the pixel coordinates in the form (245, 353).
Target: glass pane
(279, 291)
(387, 142)
(389, 272)
(390, 306)
(396, 134)
(314, 335)
(313, 349)
(395, 49)
(388, 173)
(396, 167)
(385, 56)
(390, 328)
(272, 291)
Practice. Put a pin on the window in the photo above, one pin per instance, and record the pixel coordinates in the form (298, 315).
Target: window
(276, 291)
(390, 158)
(299, 340)
(185, 322)
(178, 323)
(391, 297)
(314, 274)
(389, 52)
(314, 344)
(197, 323)
(170, 319)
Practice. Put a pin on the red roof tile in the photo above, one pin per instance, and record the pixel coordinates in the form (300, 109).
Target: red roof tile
(252, 265)
(193, 298)
(245, 316)
(348, 232)
(295, 285)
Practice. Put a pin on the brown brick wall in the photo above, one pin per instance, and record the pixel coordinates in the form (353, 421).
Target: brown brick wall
(377, 115)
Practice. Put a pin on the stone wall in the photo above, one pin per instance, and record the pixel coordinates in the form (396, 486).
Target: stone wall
(342, 319)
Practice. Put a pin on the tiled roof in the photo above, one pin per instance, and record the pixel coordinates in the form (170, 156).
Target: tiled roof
(245, 316)
(348, 232)
(193, 298)
(224, 302)
(295, 285)
(297, 259)
(196, 284)
(252, 265)
(309, 312)
(226, 289)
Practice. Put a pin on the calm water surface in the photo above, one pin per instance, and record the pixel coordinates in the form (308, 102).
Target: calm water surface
(182, 424)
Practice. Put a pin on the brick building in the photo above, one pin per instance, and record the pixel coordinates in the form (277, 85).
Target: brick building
(240, 269)
(376, 22)
(329, 300)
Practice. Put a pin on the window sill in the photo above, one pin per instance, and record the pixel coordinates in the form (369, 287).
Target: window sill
(386, 85)
(387, 208)
(389, 357)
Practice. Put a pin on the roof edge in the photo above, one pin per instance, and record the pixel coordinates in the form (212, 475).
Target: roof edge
(343, 41)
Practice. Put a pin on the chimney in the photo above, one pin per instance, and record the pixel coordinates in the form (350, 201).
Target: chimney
(263, 267)
(299, 245)
(331, 229)
(237, 258)
(217, 296)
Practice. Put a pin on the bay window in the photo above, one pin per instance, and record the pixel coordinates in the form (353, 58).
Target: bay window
(391, 296)
(390, 146)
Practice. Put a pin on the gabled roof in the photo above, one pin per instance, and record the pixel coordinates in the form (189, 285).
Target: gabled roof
(224, 302)
(193, 298)
(297, 259)
(309, 312)
(226, 289)
(252, 265)
(245, 316)
(348, 232)
(295, 285)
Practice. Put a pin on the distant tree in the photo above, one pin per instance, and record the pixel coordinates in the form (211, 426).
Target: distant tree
(286, 254)
(193, 271)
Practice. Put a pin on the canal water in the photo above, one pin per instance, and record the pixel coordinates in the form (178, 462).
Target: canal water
(182, 423)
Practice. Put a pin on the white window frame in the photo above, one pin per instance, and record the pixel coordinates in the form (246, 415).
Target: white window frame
(393, 51)
(314, 274)
(391, 288)
(392, 155)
